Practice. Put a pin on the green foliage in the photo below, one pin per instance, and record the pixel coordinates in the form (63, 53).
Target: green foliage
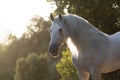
(34, 67)
(66, 68)
(34, 40)
(6, 74)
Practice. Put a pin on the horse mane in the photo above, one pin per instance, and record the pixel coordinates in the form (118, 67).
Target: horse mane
(74, 25)
(81, 31)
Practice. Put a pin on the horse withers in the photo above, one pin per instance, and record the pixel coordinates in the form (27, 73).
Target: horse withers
(93, 52)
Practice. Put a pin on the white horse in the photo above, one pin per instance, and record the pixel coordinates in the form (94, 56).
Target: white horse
(93, 52)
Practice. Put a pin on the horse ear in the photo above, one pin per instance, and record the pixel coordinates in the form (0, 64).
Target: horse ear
(60, 16)
(51, 17)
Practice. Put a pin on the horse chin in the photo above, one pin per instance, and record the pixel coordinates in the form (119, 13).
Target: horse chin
(53, 54)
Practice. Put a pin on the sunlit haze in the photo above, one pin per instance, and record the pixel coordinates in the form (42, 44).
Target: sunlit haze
(15, 15)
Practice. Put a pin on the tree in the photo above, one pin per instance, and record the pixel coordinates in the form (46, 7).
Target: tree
(35, 67)
(37, 35)
(34, 40)
(66, 68)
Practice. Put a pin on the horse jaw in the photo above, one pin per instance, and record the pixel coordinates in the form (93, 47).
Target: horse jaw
(72, 47)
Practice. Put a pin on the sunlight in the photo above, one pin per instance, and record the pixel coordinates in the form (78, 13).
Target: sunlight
(15, 15)
(72, 47)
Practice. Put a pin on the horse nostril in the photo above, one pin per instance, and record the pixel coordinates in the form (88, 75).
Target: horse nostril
(53, 48)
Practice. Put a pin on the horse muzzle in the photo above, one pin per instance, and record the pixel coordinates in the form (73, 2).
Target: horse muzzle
(53, 49)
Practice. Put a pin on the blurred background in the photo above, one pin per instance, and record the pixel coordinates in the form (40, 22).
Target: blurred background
(24, 36)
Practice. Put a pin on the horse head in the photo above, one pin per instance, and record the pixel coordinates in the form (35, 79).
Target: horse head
(56, 34)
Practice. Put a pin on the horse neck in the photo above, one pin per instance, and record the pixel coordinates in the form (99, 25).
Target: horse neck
(82, 33)
(83, 39)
